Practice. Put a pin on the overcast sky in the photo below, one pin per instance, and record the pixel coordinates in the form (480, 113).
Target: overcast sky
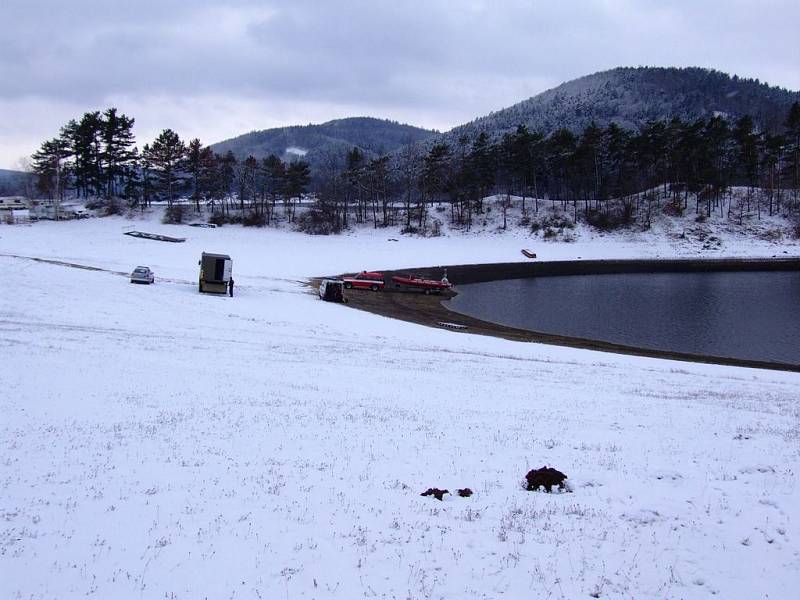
(215, 69)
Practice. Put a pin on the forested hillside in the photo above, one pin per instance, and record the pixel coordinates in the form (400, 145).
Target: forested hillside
(316, 143)
(631, 97)
(598, 143)
(11, 182)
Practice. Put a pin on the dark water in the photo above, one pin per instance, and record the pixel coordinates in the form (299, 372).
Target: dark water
(748, 315)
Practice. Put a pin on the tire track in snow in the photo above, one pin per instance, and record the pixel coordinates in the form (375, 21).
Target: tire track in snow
(72, 265)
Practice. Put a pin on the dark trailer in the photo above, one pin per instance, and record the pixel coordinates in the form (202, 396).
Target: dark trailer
(215, 273)
(332, 290)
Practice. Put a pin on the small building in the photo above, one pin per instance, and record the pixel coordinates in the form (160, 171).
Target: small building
(215, 273)
(49, 209)
(13, 203)
(22, 215)
(14, 209)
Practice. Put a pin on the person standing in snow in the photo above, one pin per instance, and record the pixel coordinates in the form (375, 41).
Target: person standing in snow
(230, 287)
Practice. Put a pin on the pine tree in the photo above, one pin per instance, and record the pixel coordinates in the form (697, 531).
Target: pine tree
(746, 151)
(298, 176)
(147, 176)
(274, 170)
(654, 159)
(518, 156)
(691, 151)
(49, 167)
(561, 148)
(461, 188)
(793, 145)
(166, 157)
(377, 174)
(717, 154)
(208, 169)
(482, 165)
(118, 156)
(675, 132)
(194, 165)
(435, 177)
(131, 179)
(85, 141)
(246, 177)
(409, 169)
(225, 177)
(587, 161)
(354, 181)
(773, 155)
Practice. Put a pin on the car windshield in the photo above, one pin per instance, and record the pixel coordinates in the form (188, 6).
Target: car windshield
(140, 270)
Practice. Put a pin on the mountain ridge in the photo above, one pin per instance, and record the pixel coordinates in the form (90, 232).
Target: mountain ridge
(319, 142)
(627, 96)
(11, 182)
(632, 96)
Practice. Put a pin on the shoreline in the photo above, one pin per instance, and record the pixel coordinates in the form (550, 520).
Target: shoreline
(432, 310)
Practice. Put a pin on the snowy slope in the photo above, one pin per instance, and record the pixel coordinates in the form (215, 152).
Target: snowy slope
(317, 143)
(631, 97)
(162, 444)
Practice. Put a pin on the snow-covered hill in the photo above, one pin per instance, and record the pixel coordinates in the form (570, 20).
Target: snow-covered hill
(628, 96)
(162, 444)
(632, 96)
(11, 182)
(318, 143)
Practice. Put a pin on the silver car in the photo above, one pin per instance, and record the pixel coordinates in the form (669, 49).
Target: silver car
(142, 275)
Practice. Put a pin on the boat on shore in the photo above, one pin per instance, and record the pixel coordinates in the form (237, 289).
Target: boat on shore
(411, 283)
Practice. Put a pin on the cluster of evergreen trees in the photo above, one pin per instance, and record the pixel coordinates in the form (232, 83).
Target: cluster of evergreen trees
(96, 158)
(602, 174)
(169, 168)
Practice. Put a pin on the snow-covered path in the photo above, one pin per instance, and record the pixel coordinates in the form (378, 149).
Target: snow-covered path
(162, 444)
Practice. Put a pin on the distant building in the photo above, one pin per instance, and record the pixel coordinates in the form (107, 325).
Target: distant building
(22, 215)
(13, 203)
(14, 209)
(48, 209)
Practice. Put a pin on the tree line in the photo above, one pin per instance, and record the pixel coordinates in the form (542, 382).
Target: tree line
(96, 158)
(607, 175)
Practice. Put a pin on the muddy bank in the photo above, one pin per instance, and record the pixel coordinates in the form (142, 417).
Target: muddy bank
(463, 274)
(432, 311)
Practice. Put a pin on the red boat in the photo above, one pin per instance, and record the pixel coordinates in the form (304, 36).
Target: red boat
(428, 286)
(366, 280)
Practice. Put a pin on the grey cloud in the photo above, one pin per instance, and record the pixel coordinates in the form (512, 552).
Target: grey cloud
(433, 62)
(338, 50)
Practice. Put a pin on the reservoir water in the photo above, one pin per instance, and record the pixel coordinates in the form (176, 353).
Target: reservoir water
(746, 315)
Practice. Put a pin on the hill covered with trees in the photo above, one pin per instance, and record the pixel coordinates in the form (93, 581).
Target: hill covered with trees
(630, 97)
(594, 146)
(11, 182)
(318, 143)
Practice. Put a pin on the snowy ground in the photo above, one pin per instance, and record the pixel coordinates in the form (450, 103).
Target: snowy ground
(161, 444)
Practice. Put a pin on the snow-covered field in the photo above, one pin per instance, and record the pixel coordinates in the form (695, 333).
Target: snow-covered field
(157, 443)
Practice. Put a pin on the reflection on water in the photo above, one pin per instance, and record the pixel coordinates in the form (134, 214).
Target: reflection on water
(749, 315)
